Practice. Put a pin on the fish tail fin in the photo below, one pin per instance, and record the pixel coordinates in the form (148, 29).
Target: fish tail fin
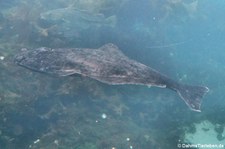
(192, 95)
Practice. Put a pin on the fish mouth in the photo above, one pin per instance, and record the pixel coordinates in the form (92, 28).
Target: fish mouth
(19, 58)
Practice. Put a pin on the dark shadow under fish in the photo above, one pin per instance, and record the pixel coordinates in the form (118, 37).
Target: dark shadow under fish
(106, 64)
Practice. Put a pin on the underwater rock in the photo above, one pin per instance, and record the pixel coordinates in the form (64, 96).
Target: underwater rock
(219, 128)
(220, 137)
(205, 134)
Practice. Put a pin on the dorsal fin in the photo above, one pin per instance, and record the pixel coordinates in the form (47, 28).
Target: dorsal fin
(109, 46)
(112, 48)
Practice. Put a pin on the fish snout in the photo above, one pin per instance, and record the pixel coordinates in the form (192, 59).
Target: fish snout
(18, 59)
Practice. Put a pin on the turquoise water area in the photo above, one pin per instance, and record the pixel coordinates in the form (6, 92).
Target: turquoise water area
(183, 39)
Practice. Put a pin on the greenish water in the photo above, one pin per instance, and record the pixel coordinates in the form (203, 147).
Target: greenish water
(182, 39)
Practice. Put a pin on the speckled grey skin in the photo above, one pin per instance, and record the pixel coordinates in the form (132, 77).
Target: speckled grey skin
(106, 64)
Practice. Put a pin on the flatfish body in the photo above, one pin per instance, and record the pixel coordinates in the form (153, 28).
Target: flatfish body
(106, 64)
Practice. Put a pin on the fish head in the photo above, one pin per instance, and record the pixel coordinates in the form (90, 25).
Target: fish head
(20, 58)
(32, 59)
(60, 15)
